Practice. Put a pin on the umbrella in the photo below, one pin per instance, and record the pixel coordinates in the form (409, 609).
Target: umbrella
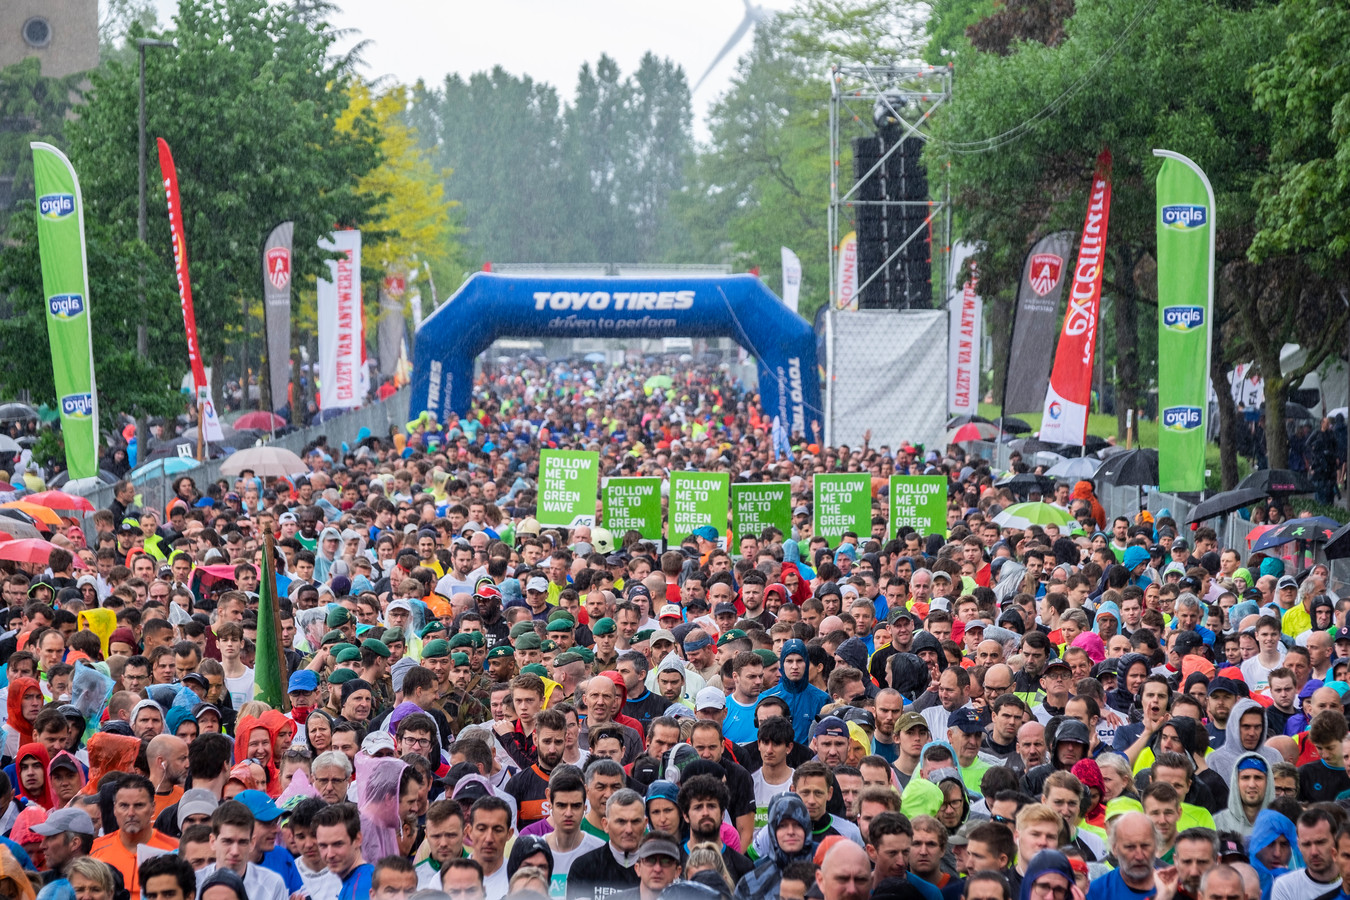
(972, 431)
(1277, 482)
(1136, 467)
(1028, 446)
(262, 421)
(168, 450)
(27, 550)
(1074, 469)
(1020, 515)
(17, 412)
(1295, 411)
(39, 512)
(958, 421)
(62, 479)
(8, 444)
(81, 487)
(163, 468)
(60, 500)
(1314, 529)
(596, 357)
(267, 462)
(1016, 426)
(1338, 545)
(1046, 458)
(1225, 502)
(657, 381)
(17, 527)
(1024, 483)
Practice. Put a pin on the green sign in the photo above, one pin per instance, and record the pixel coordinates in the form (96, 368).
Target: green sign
(65, 282)
(842, 503)
(633, 504)
(568, 480)
(755, 507)
(697, 498)
(1185, 313)
(919, 501)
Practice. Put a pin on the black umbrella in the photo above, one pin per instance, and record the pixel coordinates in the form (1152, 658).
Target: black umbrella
(1137, 467)
(1277, 482)
(1338, 545)
(1023, 483)
(1015, 426)
(958, 421)
(1028, 446)
(1225, 502)
(1295, 411)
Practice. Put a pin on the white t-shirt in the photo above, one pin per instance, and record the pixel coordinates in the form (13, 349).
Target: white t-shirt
(262, 884)
(562, 863)
(1257, 673)
(241, 688)
(764, 792)
(496, 885)
(1296, 885)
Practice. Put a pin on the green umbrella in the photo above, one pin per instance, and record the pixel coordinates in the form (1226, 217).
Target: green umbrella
(658, 381)
(1020, 515)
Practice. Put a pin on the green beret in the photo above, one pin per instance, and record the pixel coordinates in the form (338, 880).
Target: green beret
(501, 651)
(643, 635)
(337, 617)
(586, 653)
(563, 624)
(393, 636)
(460, 640)
(548, 646)
(768, 657)
(459, 659)
(731, 634)
(332, 637)
(476, 639)
(431, 628)
(520, 628)
(350, 654)
(529, 641)
(535, 669)
(569, 656)
(341, 676)
(435, 649)
(560, 614)
(338, 648)
(604, 626)
(376, 647)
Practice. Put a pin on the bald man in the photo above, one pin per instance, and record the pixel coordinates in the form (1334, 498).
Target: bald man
(988, 653)
(845, 873)
(168, 759)
(1031, 744)
(1222, 882)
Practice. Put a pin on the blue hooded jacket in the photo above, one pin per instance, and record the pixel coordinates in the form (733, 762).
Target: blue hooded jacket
(1268, 826)
(1045, 861)
(1110, 609)
(803, 698)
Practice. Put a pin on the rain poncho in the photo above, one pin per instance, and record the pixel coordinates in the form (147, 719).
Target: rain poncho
(18, 689)
(1223, 759)
(763, 882)
(377, 792)
(803, 699)
(101, 622)
(175, 719)
(44, 798)
(248, 725)
(110, 753)
(79, 770)
(1268, 826)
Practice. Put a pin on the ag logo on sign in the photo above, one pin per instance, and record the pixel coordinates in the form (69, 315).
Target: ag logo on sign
(279, 267)
(56, 206)
(1182, 217)
(77, 406)
(1183, 318)
(1181, 418)
(1045, 272)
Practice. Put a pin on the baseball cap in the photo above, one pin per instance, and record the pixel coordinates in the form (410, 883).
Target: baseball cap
(376, 742)
(911, 720)
(1189, 583)
(537, 583)
(966, 719)
(658, 848)
(832, 726)
(261, 805)
(670, 610)
(662, 634)
(1342, 634)
(1288, 581)
(710, 698)
(725, 609)
(63, 820)
(705, 532)
(303, 680)
(1222, 683)
(1188, 641)
(1056, 663)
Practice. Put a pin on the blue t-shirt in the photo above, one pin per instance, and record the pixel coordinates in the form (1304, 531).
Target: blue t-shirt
(739, 724)
(1112, 887)
(885, 751)
(356, 886)
(280, 860)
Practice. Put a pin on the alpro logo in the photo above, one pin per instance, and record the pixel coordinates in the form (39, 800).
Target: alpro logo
(1181, 418)
(56, 206)
(77, 406)
(1183, 318)
(1182, 217)
(65, 306)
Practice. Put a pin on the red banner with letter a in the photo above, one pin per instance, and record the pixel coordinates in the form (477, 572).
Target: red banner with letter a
(1070, 393)
(201, 390)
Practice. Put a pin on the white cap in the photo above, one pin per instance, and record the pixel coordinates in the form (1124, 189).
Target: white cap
(537, 583)
(710, 698)
(671, 610)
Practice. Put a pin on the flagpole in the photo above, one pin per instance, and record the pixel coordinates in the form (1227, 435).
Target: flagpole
(270, 573)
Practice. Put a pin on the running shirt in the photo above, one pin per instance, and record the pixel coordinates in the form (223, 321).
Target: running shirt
(529, 788)
(562, 864)
(764, 792)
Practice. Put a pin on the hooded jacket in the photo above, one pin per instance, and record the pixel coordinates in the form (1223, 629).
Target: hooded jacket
(763, 882)
(1268, 826)
(925, 641)
(908, 674)
(1083, 491)
(1120, 699)
(1045, 861)
(1066, 731)
(803, 698)
(1226, 757)
(323, 563)
(1234, 818)
(1106, 608)
(854, 652)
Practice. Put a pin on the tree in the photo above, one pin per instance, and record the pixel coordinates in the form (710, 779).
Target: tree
(32, 108)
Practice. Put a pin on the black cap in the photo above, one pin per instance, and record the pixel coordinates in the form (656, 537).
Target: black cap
(1189, 583)
(1180, 545)
(725, 609)
(1342, 634)
(1188, 641)
(1223, 683)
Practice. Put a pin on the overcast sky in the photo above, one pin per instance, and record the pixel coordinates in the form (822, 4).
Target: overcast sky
(546, 39)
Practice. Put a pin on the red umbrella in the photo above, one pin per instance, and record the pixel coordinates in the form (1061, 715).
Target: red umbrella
(259, 420)
(60, 500)
(28, 550)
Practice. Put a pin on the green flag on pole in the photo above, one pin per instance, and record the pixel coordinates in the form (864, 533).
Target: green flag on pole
(65, 283)
(269, 667)
(1185, 319)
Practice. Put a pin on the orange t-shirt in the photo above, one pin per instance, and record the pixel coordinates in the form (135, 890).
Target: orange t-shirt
(109, 849)
(164, 801)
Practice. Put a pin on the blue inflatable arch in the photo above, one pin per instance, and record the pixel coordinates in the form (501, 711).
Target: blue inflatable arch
(491, 306)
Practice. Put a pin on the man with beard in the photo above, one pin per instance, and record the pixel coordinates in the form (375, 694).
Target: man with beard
(999, 746)
(1134, 841)
(529, 786)
(704, 800)
(489, 601)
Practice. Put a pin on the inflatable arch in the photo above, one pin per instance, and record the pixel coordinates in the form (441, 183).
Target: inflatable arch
(490, 306)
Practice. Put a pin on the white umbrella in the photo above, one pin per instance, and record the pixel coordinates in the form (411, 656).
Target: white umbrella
(1074, 469)
(266, 462)
(9, 445)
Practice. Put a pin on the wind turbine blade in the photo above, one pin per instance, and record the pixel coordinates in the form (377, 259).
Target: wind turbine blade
(746, 24)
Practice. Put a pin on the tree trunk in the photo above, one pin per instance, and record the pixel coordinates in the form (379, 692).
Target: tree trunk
(1277, 392)
(1228, 435)
(1127, 334)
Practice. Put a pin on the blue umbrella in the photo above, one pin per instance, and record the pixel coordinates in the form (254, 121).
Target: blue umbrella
(163, 468)
(1315, 529)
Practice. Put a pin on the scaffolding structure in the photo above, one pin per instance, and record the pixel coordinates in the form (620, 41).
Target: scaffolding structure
(864, 101)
